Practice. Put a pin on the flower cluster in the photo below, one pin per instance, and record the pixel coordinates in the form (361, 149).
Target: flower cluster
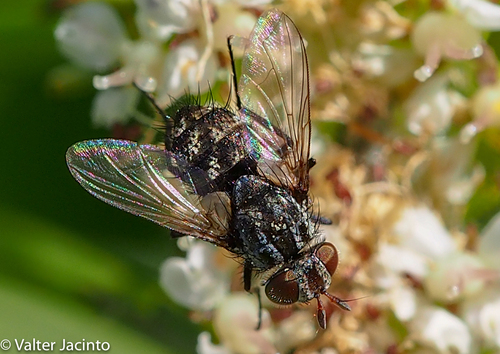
(403, 93)
(176, 50)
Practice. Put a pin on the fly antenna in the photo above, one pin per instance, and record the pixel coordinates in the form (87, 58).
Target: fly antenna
(342, 303)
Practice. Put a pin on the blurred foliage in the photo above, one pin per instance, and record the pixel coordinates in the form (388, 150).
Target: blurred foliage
(71, 267)
(486, 201)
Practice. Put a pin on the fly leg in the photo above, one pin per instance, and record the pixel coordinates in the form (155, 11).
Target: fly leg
(259, 323)
(321, 220)
(247, 283)
(247, 276)
(233, 68)
(311, 163)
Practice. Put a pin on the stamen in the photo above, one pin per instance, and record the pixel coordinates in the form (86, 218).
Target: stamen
(118, 78)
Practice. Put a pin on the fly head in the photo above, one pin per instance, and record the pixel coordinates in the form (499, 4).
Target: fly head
(305, 279)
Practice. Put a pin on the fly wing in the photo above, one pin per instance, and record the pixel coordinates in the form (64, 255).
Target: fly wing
(145, 181)
(275, 86)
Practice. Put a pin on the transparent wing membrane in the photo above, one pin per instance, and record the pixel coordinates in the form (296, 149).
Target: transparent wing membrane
(275, 86)
(142, 180)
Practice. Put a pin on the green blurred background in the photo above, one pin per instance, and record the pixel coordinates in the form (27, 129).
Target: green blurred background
(71, 267)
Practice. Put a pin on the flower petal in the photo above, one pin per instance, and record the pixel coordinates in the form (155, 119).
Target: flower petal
(454, 276)
(401, 260)
(441, 330)
(431, 106)
(481, 14)
(195, 282)
(486, 111)
(421, 231)
(482, 314)
(91, 34)
(205, 345)
(439, 34)
(183, 71)
(403, 302)
(114, 106)
(489, 243)
(160, 19)
(139, 59)
(235, 321)
(295, 330)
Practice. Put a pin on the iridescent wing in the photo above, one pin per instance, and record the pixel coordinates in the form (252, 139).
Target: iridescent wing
(149, 182)
(275, 86)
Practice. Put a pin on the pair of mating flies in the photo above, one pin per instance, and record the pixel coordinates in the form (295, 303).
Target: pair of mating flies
(237, 179)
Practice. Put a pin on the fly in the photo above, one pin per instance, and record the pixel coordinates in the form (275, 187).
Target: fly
(237, 179)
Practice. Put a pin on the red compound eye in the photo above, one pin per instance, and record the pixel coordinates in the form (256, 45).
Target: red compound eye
(283, 288)
(327, 253)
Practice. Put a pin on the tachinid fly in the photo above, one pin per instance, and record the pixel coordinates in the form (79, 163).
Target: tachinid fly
(239, 180)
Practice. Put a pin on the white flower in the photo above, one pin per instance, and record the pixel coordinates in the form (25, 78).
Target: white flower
(197, 281)
(232, 20)
(489, 243)
(400, 260)
(403, 302)
(235, 321)
(139, 60)
(438, 34)
(160, 19)
(447, 173)
(295, 330)
(184, 71)
(482, 314)
(92, 35)
(482, 14)
(391, 263)
(439, 329)
(485, 111)
(461, 189)
(456, 275)
(419, 239)
(481, 310)
(421, 231)
(393, 65)
(115, 105)
(205, 345)
(431, 106)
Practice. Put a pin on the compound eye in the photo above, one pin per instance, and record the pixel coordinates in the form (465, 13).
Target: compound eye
(283, 288)
(327, 253)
